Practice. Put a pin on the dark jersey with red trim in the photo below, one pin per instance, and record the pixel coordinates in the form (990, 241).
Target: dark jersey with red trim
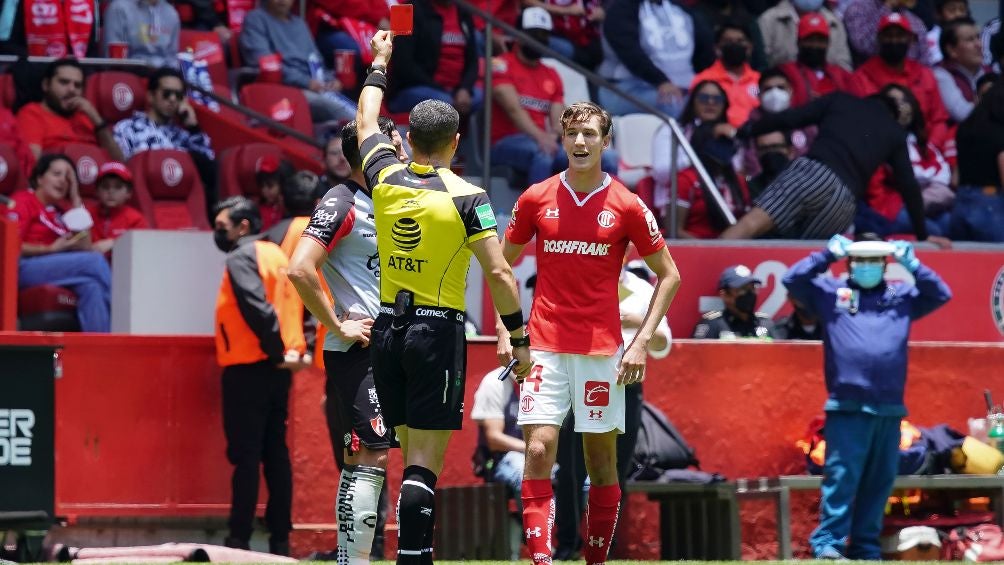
(581, 240)
(343, 223)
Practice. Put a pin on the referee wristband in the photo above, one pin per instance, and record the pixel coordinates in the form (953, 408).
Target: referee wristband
(376, 79)
(512, 322)
(520, 341)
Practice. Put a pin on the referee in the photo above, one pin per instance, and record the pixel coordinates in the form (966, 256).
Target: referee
(428, 223)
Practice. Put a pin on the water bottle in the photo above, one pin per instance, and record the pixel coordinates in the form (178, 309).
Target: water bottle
(995, 429)
(316, 67)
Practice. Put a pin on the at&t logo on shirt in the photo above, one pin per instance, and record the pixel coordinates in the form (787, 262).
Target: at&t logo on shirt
(574, 247)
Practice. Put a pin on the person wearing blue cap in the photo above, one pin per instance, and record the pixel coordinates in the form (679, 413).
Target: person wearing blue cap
(739, 319)
(866, 323)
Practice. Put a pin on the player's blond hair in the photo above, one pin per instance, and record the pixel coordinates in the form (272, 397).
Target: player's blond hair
(582, 112)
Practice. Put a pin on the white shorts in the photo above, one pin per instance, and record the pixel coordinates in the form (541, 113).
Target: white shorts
(585, 383)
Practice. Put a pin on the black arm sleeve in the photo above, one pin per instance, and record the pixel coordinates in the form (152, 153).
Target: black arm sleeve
(620, 29)
(906, 184)
(378, 153)
(476, 212)
(249, 290)
(794, 118)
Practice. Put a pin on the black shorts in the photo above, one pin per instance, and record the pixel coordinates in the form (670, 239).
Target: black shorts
(419, 367)
(352, 408)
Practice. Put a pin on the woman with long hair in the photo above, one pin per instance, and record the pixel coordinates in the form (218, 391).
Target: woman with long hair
(882, 211)
(708, 104)
(55, 243)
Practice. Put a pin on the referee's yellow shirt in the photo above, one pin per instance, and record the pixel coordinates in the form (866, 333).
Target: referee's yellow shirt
(425, 217)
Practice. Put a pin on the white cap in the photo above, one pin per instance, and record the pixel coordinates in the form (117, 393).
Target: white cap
(911, 537)
(870, 249)
(536, 17)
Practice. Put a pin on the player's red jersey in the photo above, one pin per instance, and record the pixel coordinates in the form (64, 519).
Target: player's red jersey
(581, 240)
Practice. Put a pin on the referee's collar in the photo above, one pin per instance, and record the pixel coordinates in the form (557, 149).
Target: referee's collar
(421, 169)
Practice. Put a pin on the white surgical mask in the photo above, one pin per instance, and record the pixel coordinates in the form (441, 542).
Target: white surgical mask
(775, 99)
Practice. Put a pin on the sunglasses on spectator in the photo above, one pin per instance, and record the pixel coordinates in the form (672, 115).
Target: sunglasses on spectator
(710, 99)
(171, 93)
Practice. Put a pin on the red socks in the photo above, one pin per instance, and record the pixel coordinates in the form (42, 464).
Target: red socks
(538, 518)
(601, 519)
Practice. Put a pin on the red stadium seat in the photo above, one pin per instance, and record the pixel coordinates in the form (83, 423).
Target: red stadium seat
(47, 307)
(87, 159)
(115, 94)
(205, 45)
(11, 178)
(285, 104)
(8, 92)
(238, 166)
(168, 189)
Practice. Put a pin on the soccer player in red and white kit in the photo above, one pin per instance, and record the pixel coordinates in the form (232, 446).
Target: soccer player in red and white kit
(583, 220)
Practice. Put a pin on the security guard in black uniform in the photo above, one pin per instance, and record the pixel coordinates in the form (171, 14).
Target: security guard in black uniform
(738, 288)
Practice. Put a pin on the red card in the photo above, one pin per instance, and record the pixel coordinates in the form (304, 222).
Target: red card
(401, 19)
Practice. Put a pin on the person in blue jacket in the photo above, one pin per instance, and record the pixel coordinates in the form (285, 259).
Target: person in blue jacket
(866, 324)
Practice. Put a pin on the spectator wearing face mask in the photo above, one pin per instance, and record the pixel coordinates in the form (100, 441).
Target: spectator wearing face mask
(739, 319)
(811, 74)
(774, 153)
(775, 96)
(781, 27)
(732, 71)
(892, 66)
(961, 68)
(863, 19)
(722, 13)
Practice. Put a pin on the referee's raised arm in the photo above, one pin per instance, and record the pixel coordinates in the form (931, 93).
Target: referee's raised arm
(371, 96)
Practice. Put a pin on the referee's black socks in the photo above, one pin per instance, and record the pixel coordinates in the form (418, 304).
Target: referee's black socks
(416, 516)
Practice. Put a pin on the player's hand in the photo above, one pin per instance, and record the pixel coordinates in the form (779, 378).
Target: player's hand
(632, 365)
(382, 45)
(838, 246)
(503, 349)
(905, 255)
(355, 330)
(524, 363)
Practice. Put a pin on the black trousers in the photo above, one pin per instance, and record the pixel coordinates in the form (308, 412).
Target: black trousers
(255, 409)
(571, 476)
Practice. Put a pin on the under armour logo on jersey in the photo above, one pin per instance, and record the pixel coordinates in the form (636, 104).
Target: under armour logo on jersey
(533, 532)
(551, 213)
(595, 414)
(426, 511)
(595, 541)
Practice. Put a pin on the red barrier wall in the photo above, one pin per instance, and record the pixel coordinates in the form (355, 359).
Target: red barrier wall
(139, 427)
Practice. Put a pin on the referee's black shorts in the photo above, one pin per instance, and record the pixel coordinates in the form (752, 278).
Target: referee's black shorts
(353, 408)
(419, 366)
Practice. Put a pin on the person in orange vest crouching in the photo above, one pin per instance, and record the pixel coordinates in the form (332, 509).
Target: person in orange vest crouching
(259, 343)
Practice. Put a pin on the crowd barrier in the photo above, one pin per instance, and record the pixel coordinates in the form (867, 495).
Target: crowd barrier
(138, 425)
